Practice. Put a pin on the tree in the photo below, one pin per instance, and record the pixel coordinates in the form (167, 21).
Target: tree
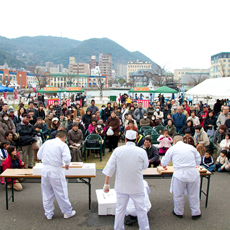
(100, 84)
(157, 75)
(69, 79)
(193, 81)
(132, 80)
(222, 69)
(121, 81)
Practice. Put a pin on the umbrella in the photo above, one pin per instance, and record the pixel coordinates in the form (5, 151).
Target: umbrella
(5, 89)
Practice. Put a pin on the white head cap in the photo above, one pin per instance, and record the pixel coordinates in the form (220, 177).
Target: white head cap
(131, 135)
(55, 119)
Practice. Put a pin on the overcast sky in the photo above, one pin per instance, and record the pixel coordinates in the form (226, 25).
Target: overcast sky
(174, 33)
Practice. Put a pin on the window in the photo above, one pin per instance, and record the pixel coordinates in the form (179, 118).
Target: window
(224, 65)
(214, 69)
(224, 60)
(217, 69)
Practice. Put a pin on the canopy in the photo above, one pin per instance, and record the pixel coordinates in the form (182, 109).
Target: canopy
(164, 89)
(140, 89)
(5, 89)
(217, 88)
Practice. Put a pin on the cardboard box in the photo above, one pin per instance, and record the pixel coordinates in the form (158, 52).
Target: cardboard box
(87, 169)
(106, 202)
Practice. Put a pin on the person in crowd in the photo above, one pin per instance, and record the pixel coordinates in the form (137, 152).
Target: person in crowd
(6, 124)
(130, 118)
(227, 167)
(222, 161)
(168, 103)
(139, 112)
(64, 120)
(201, 137)
(225, 143)
(118, 113)
(78, 112)
(141, 97)
(119, 99)
(33, 118)
(208, 162)
(50, 109)
(3, 156)
(159, 114)
(159, 104)
(203, 114)
(12, 116)
(131, 126)
(171, 127)
(219, 135)
(227, 122)
(128, 101)
(185, 158)
(186, 107)
(32, 107)
(166, 111)
(87, 118)
(150, 97)
(92, 107)
(102, 112)
(131, 109)
(113, 123)
(54, 133)
(210, 122)
(223, 116)
(75, 138)
(184, 112)
(98, 116)
(80, 126)
(167, 118)
(154, 122)
(217, 107)
(165, 142)
(26, 130)
(179, 119)
(44, 127)
(194, 118)
(135, 104)
(41, 112)
(9, 137)
(189, 125)
(55, 124)
(48, 120)
(144, 121)
(124, 111)
(107, 111)
(92, 126)
(115, 106)
(152, 152)
(198, 109)
(21, 112)
(187, 139)
(173, 109)
(13, 161)
(4, 109)
(57, 109)
(64, 109)
(140, 140)
(150, 110)
(201, 149)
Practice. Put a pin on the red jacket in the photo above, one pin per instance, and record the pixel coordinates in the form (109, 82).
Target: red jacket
(187, 109)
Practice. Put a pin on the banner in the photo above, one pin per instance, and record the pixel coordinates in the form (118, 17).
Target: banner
(15, 93)
(73, 88)
(34, 88)
(141, 88)
(4, 95)
(50, 89)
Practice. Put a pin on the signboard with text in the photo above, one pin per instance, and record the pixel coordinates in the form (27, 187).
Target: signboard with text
(50, 89)
(141, 88)
(73, 88)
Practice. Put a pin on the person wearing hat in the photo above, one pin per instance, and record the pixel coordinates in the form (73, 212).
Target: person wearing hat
(75, 138)
(187, 139)
(55, 124)
(203, 114)
(12, 116)
(6, 124)
(118, 113)
(128, 161)
(185, 178)
(26, 130)
(150, 110)
(145, 121)
(107, 111)
(86, 118)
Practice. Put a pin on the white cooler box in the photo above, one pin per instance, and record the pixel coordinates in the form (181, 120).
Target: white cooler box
(88, 169)
(106, 202)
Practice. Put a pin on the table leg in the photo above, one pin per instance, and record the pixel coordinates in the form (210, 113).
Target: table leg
(13, 190)
(6, 195)
(201, 183)
(207, 193)
(89, 193)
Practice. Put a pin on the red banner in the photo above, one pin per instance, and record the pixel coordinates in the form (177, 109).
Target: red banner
(4, 95)
(15, 94)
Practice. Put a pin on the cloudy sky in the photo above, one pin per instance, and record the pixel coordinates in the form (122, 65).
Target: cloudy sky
(173, 33)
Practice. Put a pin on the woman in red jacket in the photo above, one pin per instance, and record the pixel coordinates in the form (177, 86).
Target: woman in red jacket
(13, 161)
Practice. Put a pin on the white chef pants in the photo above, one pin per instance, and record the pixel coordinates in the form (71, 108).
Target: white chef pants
(192, 189)
(55, 187)
(139, 203)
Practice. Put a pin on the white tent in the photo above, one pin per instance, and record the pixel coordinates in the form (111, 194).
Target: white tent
(216, 88)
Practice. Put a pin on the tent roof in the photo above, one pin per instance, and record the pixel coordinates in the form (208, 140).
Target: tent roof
(164, 89)
(6, 89)
(51, 91)
(217, 87)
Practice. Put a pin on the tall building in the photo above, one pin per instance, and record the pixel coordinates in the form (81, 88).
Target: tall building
(105, 64)
(179, 72)
(220, 65)
(122, 70)
(80, 68)
(93, 63)
(71, 62)
(133, 66)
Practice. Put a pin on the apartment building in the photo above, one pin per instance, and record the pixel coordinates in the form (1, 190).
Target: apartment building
(105, 64)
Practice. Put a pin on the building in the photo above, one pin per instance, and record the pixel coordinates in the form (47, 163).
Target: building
(95, 71)
(80, 68)
(220, 65)
(95, 80)
(134, 66)
(105, 64)
(72, 61)
(179, 72)
(93, 63)
(192, 78)
(122, 70)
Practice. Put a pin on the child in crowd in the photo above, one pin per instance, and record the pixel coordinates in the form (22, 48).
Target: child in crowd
(225, 143)
(165, 142)
(222, 161)
(3, 155)
(13, 161)
(207, 162)
(187, 139)
(201, 149)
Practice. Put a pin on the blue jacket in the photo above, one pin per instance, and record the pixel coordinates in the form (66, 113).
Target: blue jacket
(179, 120)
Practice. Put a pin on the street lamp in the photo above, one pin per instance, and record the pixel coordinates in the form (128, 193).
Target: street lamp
(20, 81)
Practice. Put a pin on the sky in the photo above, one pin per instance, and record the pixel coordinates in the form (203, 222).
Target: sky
(173, 33)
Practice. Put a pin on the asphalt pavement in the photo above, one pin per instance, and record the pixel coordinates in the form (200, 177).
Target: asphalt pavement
(27, 211)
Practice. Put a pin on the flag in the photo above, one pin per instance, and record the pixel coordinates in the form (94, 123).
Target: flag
(15, 93)
(34, 88)
(4, 95)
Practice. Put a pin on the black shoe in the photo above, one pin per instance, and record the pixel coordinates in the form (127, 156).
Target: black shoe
(180, 216)
(196, 217)
(130, 221)
(110, 150)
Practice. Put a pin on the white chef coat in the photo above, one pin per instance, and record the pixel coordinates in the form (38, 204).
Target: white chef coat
(129, 161)
(185, 158)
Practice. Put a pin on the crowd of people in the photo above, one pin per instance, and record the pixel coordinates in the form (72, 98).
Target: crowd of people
(26, 129)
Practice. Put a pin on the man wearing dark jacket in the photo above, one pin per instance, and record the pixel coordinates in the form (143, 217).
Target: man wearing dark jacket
(54, 133)
(57, 109)
(26, 129)
(152, 152)
(86, 118)
(107, 111)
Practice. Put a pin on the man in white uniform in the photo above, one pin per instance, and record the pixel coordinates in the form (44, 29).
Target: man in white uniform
(129, 161)
(186, 179)
(53, 184)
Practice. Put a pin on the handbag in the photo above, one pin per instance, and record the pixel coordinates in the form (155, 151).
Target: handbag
(110, 132)
(92, 143)
(211, 132)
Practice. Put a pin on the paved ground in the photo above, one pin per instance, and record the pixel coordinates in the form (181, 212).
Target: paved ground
(27, 212)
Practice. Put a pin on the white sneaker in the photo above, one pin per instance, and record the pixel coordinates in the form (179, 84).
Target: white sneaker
(49, 218)
(66, 216)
